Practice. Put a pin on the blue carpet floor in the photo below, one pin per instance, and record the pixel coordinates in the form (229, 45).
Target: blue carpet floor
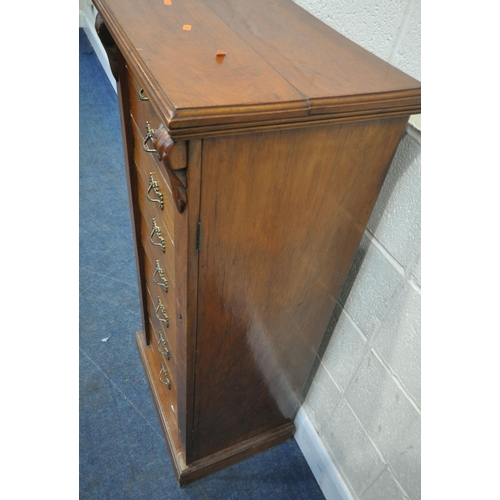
(123, 454)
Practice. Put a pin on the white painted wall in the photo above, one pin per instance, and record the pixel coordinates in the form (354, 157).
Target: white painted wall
(87, 17)
(87, 14)
(364, 401)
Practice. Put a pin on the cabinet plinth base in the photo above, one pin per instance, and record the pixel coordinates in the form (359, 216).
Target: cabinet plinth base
(205, 466)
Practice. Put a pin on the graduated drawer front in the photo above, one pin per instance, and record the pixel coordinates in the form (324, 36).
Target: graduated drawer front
(148, 172)
(145, 164)
(159, 347)
(141, 111)
(169, 303)
(169, 396)
(158, 277)
(149, 212)
(150, 238)
(168, 332)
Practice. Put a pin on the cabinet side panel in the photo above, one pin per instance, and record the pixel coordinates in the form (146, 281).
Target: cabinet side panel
(282, 214)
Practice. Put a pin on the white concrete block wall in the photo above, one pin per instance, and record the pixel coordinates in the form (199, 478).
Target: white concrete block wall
(364, 401)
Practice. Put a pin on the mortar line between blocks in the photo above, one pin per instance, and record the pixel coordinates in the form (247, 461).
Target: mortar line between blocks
(385, 464)
(354, 324)
(335, 383)
(364, 490)
(406, 495)
(366, 349)
(370, 340)
(394, 263)
(331, 377)
(382, 458)
(396, 380)
(370, 346)
(388, 469)
(376, 243)
(384, 461)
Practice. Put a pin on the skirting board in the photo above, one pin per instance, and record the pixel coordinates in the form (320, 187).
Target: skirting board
(88, 27)
(320, 463)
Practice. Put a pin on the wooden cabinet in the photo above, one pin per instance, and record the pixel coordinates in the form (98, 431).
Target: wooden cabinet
(256, 142)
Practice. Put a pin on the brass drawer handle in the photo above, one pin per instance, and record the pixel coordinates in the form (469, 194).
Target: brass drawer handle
(156, 230)
(159, 271)
(164, 372)
(165, 351)
(149, 136)
(154, 186)
(142, 97)
(161, 308)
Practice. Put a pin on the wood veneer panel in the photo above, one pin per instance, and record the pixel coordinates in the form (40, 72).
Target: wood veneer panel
(157, 344)
(236, 453)
(151, 209)
(169, 303)
(319, 62)
(282, 215)
(183, 63)
(282, 65)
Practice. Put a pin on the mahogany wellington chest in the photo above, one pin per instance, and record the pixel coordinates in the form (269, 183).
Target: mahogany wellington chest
(256, 142)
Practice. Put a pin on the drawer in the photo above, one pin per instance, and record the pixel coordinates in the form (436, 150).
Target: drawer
(157, 244)
(157, 310)
(156, 236)
(159, 343)
(163, 374)
(152, 185)
(165, 235)
(158, 277)
(168, 300)
(141, 109)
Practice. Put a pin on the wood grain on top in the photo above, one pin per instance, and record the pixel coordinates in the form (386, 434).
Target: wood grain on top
(280, 63)
(317, 60)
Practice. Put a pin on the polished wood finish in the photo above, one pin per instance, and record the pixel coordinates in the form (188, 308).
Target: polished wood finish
(256, 143)
(282, 66)
(188, 473)
(333, 73)
(273, 259)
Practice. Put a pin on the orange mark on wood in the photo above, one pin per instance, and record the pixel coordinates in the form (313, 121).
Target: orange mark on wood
(187, 27)
(219, 56)
(167, 2)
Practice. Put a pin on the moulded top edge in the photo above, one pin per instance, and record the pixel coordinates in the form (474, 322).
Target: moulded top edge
(271, 71)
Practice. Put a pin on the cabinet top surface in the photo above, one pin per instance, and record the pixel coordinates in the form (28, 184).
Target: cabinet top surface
(280, 62)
